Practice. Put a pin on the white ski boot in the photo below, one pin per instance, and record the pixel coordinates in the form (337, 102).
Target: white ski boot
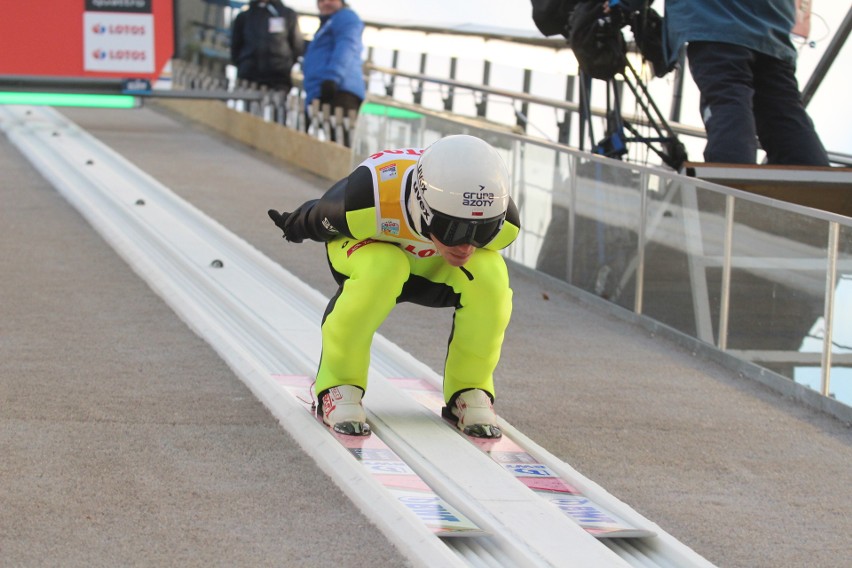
(474, 414)
(343, 412)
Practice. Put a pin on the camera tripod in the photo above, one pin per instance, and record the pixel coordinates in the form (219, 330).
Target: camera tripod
(614, 144)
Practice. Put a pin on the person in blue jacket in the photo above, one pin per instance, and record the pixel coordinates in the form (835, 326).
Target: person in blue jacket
(744, 63)
(332, 65)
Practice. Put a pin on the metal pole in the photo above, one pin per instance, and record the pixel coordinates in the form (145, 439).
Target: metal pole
(418, 91)
(827, 58)
(389, 88)
(572, 216)
(725, 300)
(565, 125)
(677, 88)
(640, 252)
(525, 106)
(828, 317)
(482, 106)
(448, 102)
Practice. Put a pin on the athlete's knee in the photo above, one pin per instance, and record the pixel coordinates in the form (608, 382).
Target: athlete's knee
(489, 274)
(382, 267)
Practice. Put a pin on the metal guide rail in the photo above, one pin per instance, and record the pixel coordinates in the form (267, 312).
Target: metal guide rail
(264, 323)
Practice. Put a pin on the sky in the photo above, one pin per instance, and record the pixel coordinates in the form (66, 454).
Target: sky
(829, 108)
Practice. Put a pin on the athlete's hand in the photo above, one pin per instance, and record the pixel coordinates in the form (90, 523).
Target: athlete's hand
(284, 222)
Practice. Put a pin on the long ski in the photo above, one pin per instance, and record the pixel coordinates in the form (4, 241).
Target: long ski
(527, 469)
(390, 470)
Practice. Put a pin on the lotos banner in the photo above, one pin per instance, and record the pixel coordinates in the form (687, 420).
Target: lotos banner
(87, 38)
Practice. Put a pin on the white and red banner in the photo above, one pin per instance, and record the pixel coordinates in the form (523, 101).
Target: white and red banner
(120, 42)
(87, 38)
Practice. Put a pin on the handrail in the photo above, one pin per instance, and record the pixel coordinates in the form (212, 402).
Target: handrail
(525, 97)
(769, 240)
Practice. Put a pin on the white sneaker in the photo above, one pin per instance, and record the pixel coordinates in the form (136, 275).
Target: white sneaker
(475, 414)
(343, 412)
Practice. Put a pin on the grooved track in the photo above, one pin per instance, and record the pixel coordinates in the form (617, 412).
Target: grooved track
(262, 321)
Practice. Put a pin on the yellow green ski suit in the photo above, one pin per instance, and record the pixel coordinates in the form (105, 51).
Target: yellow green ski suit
(379, 259)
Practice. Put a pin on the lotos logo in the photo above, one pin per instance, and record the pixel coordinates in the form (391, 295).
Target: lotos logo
(99, 29)
(127, 29)
(405, 151)
(128, 54)
(99, 54)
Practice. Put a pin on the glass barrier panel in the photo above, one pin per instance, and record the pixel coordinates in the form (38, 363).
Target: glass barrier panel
(541, 187)
(584, 221)
(841, 346)
(778, 283)
(684, 233)
(605, 212)
(840, 377)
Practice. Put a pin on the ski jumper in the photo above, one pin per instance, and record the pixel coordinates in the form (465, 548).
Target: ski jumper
(379, 260)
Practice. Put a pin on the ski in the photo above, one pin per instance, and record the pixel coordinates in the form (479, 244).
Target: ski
(390, 470)
(594, 518)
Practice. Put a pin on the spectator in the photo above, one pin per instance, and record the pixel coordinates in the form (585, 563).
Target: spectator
(421, 226)
(265, 43)
(743, 61)
(332, 66)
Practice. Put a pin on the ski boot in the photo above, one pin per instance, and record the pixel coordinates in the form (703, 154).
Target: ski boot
(342, 410)
(473, 413)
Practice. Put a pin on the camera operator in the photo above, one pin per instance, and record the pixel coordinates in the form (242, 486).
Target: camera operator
(744, 63)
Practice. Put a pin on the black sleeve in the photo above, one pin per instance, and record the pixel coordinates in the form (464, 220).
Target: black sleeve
(236, 38)
(297, 40)
(325, 218)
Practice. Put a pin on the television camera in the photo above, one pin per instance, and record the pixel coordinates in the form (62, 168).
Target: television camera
(593, 29)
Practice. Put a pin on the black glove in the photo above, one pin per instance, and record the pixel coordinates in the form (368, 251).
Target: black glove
(327, 91)
(284, 221)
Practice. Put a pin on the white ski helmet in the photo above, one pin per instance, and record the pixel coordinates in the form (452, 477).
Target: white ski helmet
(460, 192)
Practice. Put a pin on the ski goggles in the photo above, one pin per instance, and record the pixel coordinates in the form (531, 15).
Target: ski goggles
(452, 231)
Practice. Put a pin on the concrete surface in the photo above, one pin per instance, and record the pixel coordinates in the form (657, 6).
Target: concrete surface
(125, 441)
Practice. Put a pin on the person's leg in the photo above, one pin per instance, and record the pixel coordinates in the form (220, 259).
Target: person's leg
(482, 297)
(784, 128)
(346, 101)
(371, 275)
(723, 74)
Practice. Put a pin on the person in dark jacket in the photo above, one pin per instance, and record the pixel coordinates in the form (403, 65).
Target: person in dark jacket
(265, 43)
(744, 64)
(332, 66)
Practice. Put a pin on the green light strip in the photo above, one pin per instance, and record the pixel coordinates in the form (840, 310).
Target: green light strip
(389, 111)
(68, 99)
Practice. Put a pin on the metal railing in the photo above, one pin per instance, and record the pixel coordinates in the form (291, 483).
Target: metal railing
(760, 280)
(285, 108)
(416, 64)
(486, 99)
(763, 281)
